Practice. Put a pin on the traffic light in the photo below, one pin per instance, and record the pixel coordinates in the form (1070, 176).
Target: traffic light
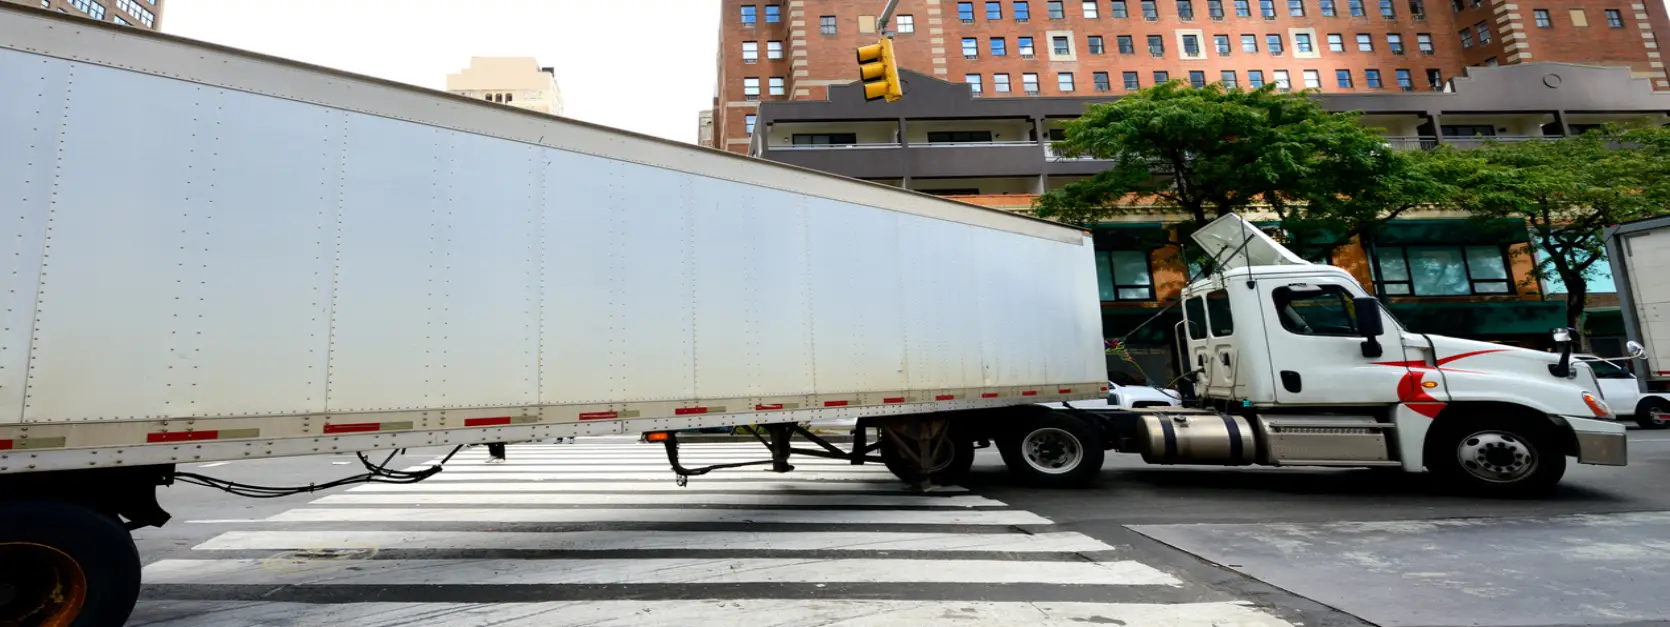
(879, 72)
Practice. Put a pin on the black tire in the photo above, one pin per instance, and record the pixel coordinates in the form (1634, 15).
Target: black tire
(1030, 462)
(1491, 436)
(1653, 413)
(97, 543)
(951, 473)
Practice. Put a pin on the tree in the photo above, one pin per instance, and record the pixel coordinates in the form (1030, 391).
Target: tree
(1360, 202)
(1567, 190)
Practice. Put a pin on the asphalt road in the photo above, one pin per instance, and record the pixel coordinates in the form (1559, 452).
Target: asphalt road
(1268, 547)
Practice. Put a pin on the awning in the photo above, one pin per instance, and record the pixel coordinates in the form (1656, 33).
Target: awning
(1459, 232)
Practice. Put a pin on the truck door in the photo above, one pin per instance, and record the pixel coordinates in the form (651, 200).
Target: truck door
(1316, 352)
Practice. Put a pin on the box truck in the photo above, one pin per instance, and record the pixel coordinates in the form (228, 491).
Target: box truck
(1639, 253)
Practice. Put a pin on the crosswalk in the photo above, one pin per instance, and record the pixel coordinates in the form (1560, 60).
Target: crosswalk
(596, 533)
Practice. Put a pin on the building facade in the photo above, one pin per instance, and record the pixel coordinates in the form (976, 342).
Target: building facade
(515, 81)
(796, 50)
(704, 128)
(145, 14)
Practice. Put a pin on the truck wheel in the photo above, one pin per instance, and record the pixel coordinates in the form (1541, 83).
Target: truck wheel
(951, 466)
(1052, 449)
(1654, 413)
(1496, 456)
(65, 565)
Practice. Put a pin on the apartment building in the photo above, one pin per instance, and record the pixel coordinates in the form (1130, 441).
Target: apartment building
(514, 81)
(797, 49)
(145, 14)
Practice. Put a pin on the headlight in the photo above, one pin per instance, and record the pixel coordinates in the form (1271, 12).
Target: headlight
(1597, 406)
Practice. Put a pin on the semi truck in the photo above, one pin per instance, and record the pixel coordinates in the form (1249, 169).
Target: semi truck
(216, 255)
(1639, 253)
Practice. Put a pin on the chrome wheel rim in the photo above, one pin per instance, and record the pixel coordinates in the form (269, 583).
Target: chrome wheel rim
(1497, 456)
(1052, 451)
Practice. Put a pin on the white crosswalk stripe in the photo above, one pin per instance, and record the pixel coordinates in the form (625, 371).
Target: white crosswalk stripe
(597, 533)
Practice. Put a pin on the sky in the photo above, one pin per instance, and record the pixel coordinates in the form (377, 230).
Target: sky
(641, 65)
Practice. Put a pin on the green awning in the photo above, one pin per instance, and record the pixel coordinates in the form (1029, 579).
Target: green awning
(1458, 232)
(1481, 319)
(1604, 322)
(1130, 235)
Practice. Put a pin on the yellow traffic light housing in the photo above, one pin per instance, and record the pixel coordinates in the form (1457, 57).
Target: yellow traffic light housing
(879, 72)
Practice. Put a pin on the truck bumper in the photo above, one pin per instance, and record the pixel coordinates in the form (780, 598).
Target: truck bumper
(1599, 442)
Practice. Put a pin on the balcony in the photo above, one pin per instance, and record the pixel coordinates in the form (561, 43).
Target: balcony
(1409, 144)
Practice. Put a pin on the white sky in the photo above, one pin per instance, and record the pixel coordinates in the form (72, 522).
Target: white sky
(641, 65)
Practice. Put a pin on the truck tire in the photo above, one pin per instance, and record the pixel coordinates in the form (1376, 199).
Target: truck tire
(1053, 450)
(1496, 455)
(950, 472)
(1653, 413)
(65, 564)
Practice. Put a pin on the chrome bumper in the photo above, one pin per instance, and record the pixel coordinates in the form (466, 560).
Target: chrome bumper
(1600, 442)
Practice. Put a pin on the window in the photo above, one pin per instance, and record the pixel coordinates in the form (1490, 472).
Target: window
(1064, 81)
(1386, 10)
(1404, 80)
(1326, 310)
(1156, 45)
(1096, 45)
(775, 85)
(750, 14)
(1125, 45)
(994, 11)
(1218, 317)
(1161, 77)
(773, 14)
(1614, 18)
(1336, 42)
(1483, 30)
(905, 23)
(1119, 9)
(774, 50)
(1149, 11)
(1100, 79)
(973, 81)
(826, 25)
(1296, 8)
(1467, 130)
(1543, 21)
(959, 137)
(1194, 311)
(1227, 77)
(1466, 38)
(1372, 77)
(1417, 8)
(965, 12)
(1423, 42)
(1131, 83)
(1215, 9)
(1029, 83)
(1197, 78)
(971, 48)
(1025, 45)
(1579, 18)
(1435, 79)
(1273, 43)
(748, 124)
(115, 18)
(1060, 46)
(1124, 275)
(1365, 42)
(1267, 8)
(1000, 83)
(1313, 79)
(751, 88)
(1343, 77)
(1221, 42)
(1328, 9)
(1442, 270)
(1282, 83)
(1608, 370)
(1394, 42)
(999, 47)
(750, 51)
(93, 9)
(1191, 45)
(1186, 10)
(1090, 9)
(1241, 9)
(1022, 12)
(1302, 43)
(825, 139)
(1249, 43)
(1057, 11)
(1456, 5)
(1356, 7)
(1255, 78)
(144, 15)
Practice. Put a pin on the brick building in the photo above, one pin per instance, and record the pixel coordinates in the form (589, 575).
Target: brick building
(774, 50)
(145, 14)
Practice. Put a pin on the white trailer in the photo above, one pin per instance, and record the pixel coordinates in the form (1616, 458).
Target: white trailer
(207, 254)
(1639, 252)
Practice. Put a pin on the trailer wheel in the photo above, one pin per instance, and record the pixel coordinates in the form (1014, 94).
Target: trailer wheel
(1053, 449)
(948, 465)
(1654, 413)
(66, 565)
(1496, 455)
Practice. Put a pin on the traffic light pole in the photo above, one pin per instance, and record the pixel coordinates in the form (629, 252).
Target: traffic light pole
(885, 17)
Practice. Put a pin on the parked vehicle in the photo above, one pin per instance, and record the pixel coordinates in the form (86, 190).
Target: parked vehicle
(1640, 256)
(1623, 392)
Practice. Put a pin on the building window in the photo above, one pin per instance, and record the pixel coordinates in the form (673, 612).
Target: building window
(1000, 83)
(1025, 45)
(144, 15)
(1372, 77)
(965, 12)
(1273, 43)
(1313, 79)
(1394, 42)
(1191, 46)
(1491, 62)
(1221, 42)
(1543, 21)
(1255, 78)
(774, 50)
(773, 14)
(999, 46)
(826, 24)
(1249, 43)
(1386, 10)
(1156, 45)
(971, 48)
(115, 18)
(1302, 43)
(93, 9)
(1296, 8)
(1579, 18)
(775, 84)
(1197, 79)
(1124, 275)
(1096, 45)
(1119, 9)
(1241, 9)
(1215, 9)
(825, 139)
(1466, 38)
(1365, 42)
(1456, 5)
(994, 11)
(748, 124)
(1404, 80)
(750, 51)
(1100, 79)
(1227, 77)
(1090, 9)
(1150, 12)
(750, 14)
(1282, 84)
(1423, 42)
(1161, 77)
(1356, 7)
(1057, 11)
(959, 137)
(973, 81)
(1064, 81)
(1060, 46)
(1614, 18)
(1442, 270)
(1125, 44)
(1267, 8)
(1483, 30)
(1022, 12)
(1186, 10)
(1343, 77)
(751, 88)
(1336, 42)
(1328, 9)
(905, 24)
(1417, 8)
(1029, 83)
(1130, 79)
(1435, 79)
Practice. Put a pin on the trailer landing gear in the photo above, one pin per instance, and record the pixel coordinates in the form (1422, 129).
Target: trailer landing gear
(922, 452)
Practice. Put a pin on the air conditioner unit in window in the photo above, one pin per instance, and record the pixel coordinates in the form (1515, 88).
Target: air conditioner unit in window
(1217, 18)
(1026, 56)
(1021, 20)
(1151, 18)
(971, 57)
(1420, 17)
(1398, 52)
(750, 61)
(1187, 18)
(1031, 92)
(968, 21)
(1408, 88)
(1427, 52)
(1157, 55)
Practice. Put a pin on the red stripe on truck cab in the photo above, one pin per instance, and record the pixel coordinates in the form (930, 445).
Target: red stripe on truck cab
(182, 436)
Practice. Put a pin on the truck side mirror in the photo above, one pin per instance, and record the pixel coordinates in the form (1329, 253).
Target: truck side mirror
(1370, 325)
(1636, 350)
(1562, 338)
